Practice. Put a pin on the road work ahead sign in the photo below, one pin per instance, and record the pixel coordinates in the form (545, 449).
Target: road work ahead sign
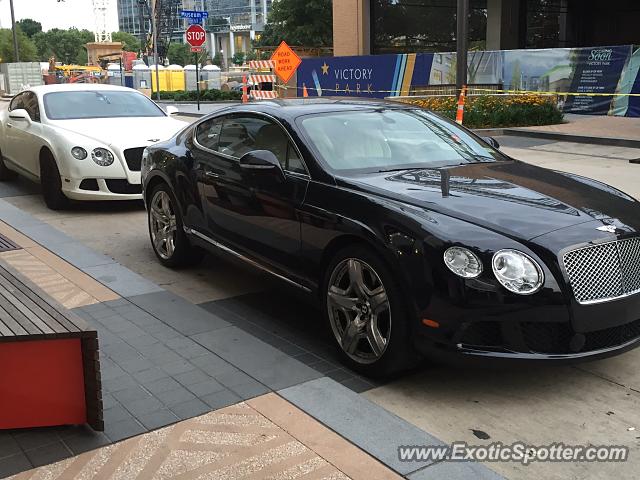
(286, 62)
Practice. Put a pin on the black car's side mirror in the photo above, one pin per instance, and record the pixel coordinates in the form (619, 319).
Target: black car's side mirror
(492, 141)
(262, 162)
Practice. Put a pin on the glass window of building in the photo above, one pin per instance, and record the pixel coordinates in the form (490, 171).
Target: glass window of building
(407, 26)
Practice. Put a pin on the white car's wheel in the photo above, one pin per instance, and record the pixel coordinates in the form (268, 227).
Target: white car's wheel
(51, 184)
(5, 173)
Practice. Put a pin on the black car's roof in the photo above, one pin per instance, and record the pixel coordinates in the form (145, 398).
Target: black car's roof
(294, 107)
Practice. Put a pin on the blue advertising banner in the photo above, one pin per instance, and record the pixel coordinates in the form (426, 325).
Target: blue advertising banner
(595, 70)
(374, 76)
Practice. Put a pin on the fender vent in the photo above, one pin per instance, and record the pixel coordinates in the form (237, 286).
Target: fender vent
(7, 245)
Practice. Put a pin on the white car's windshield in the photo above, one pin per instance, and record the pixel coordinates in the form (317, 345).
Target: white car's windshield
(98, 104)
(388, 139)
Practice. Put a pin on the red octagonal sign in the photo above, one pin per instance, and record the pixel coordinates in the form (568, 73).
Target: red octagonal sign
(196, 35)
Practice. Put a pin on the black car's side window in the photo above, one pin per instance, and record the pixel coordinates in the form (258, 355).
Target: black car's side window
(31, 106)
(239, 135)
(243, 134)
(17, 102)
(208, 133)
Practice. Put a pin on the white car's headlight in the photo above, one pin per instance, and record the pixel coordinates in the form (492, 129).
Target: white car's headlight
(517, 272)
(463, 262)
(79, 153)
(102, 157)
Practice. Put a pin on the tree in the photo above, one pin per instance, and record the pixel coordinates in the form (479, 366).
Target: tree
(238, 58)
(28, 52)
(29, 27)
(180, 54)
(67, 46)
(130, 43)
(307, 23)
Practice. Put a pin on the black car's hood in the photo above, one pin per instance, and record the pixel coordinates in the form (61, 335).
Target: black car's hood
(511, 197)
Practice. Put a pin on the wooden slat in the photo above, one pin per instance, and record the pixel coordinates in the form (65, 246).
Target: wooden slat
(10, 316)
(20, 302)
(56, 317)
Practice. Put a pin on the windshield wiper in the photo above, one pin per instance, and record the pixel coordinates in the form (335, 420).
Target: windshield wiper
(411, 169)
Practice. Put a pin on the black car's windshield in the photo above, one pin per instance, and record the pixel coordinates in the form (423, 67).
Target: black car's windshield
(389, 139)
(98, 104)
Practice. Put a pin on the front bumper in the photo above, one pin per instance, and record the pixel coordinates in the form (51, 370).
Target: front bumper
(100, 189)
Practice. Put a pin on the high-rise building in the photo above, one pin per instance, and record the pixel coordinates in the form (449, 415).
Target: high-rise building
(232, 23)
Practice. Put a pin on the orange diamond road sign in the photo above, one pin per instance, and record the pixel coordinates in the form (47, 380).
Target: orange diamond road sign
(287, 62)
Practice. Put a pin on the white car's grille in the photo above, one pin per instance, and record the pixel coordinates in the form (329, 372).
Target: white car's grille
(604, 272)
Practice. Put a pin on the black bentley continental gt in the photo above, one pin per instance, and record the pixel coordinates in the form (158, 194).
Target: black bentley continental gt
(413, 233)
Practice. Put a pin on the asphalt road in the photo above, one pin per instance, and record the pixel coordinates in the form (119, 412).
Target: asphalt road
(596, 402)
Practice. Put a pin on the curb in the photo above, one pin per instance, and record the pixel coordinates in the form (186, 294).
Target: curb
(569, 137)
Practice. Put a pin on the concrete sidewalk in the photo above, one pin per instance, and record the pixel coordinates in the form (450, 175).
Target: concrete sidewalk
(263, 438)
(187, 394)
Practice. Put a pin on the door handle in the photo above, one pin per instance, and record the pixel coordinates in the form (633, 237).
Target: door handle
(9, 125)
(210, 174)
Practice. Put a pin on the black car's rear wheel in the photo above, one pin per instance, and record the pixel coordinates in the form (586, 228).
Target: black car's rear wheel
(168, 239)
(366, 313)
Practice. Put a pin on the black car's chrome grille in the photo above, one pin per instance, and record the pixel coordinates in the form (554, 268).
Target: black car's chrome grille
(133, 156)
(604, 272)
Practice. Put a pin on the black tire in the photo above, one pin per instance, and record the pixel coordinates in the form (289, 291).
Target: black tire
(5, 173)
(51, 184)
(183, 253)
(399, 353)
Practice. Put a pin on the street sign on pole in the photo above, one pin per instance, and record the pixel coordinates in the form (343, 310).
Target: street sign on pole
(286, 62)
(195, 36)
(194, 16)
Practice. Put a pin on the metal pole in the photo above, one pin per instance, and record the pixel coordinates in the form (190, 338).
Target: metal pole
(154, 33)
(15, 33)
(197, 82)
(462, 43)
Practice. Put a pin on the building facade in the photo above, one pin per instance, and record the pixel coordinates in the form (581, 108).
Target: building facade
(232, 24)
(406, 26)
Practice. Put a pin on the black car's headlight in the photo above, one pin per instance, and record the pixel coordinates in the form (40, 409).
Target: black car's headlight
(102, 157)
(463, 262)
(517, 272)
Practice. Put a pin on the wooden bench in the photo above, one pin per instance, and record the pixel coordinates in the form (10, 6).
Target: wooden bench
(49, 363)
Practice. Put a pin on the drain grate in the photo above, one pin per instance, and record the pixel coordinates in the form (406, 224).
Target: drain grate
(7, 245)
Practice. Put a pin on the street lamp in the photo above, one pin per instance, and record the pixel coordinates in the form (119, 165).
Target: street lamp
(462, 43)
(15, 33)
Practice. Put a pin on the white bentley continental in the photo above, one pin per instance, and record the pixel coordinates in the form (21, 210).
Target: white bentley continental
(81, 142)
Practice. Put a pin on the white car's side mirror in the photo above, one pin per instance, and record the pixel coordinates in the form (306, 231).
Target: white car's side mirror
(171, 110)
(20, 114)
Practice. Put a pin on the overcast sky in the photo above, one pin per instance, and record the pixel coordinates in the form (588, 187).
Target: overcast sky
(52, 14)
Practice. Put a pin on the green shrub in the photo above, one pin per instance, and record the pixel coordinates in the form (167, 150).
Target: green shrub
(495, 111)
(212, 95)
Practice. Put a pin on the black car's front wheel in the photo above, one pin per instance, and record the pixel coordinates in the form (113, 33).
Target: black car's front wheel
(166, 231)
(366, 313)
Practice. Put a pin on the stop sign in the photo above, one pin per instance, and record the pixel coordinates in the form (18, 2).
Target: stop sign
(196, 35)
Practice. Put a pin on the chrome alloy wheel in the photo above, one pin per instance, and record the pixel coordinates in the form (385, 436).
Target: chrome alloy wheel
(359, 311)
(162, 222)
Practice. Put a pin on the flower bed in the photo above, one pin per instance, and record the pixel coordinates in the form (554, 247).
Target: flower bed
(494, 111)
(211, 95)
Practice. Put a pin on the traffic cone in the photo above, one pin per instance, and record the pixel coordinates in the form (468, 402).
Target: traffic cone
(460, 112)
(305, 94)
(245, 98)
